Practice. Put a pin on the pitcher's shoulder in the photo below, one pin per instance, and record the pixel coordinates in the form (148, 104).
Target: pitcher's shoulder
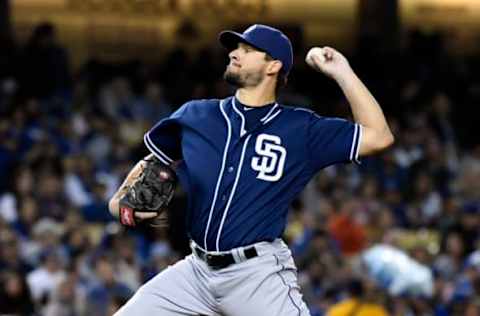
(299, 112)
(203, 104)
(198, 108)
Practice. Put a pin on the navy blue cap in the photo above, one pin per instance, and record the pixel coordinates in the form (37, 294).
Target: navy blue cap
(265, 38)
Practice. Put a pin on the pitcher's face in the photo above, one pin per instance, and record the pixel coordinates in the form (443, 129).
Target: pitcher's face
(247, 67)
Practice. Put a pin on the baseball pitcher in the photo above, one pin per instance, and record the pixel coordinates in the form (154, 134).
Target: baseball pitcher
(242, 161)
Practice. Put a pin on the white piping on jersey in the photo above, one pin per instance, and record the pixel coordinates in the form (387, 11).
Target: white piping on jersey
(242, 128)
(303, 109)
(354, 142)
(269, 112)
(234, 187)
(272, 117)
(220, 175)
(155, 150)
(359, 142)
(309, 111)
(355, 131)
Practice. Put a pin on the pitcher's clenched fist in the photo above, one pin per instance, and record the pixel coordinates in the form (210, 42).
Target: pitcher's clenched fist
(328, 61)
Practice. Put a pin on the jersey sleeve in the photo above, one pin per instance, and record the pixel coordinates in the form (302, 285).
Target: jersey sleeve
(165, 138)
(332, 140)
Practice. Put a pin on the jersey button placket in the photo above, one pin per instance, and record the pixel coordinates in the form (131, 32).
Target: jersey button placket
(230, 169)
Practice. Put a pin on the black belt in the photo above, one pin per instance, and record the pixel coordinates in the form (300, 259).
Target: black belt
(220, 261)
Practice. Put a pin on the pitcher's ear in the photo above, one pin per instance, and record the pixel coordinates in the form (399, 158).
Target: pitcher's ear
(274, 67)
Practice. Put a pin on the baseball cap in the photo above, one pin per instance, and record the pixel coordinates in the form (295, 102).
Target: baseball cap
(265, 38)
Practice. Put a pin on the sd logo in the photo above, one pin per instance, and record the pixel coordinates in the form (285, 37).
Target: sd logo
(271, 157)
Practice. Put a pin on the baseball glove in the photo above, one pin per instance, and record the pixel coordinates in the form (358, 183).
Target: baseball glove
(151, 192)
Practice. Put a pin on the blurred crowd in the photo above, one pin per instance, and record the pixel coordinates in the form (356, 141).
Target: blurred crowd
(68, 138)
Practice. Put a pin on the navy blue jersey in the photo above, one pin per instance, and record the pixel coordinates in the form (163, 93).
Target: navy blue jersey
(242, 166)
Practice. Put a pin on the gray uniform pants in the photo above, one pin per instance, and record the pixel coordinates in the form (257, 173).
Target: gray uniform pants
(262, 286)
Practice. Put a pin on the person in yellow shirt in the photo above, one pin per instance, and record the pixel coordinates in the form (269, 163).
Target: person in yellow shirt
(358, 304)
